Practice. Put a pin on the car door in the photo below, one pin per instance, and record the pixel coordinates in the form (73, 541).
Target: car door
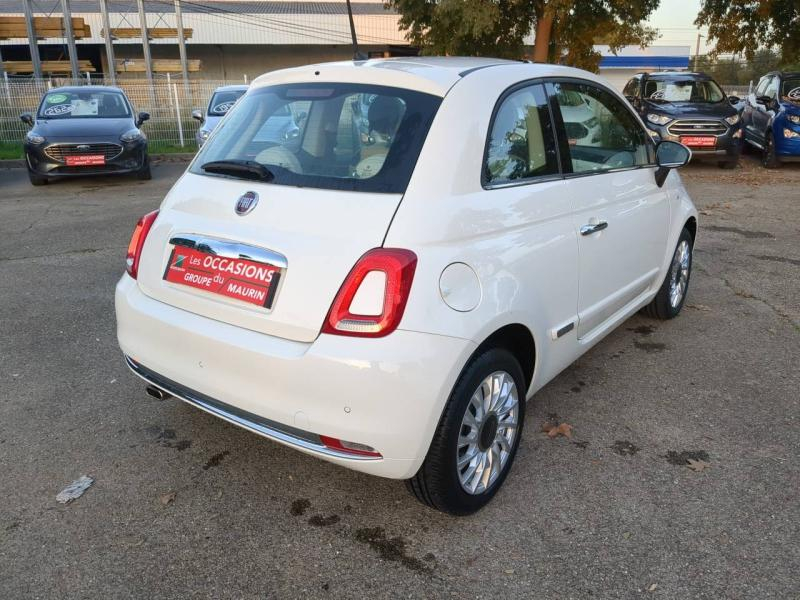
(761, 114)
(621, 215)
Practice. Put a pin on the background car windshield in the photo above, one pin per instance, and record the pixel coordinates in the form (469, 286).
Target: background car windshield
(84, 104)
(790, 90)
(328, 136)
(684, 90)
(222, 102)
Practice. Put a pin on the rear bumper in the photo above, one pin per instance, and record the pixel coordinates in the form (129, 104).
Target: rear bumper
(387, 393)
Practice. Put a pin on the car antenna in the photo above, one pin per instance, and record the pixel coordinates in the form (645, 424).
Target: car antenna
(357, 54)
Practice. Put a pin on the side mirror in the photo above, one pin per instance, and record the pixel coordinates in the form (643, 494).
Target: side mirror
(734, 100)
(198, 116)
(670, 155)
(143, 116)
(27, 118)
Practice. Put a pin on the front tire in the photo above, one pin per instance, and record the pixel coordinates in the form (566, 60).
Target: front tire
(477, 437)
(35, 179)
(769, 159)
(144, 173)
(672, 293)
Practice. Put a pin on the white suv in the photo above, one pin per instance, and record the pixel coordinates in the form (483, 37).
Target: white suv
(385, 289)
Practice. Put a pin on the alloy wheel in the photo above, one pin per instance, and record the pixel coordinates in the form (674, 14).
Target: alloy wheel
(679, 273)
(488, 432)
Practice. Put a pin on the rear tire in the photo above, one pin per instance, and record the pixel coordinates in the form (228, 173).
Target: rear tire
(35, 179)
(672, 293)
(477, 437)
(769, 159)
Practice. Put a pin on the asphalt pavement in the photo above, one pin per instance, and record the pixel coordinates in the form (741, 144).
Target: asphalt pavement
(184, 505)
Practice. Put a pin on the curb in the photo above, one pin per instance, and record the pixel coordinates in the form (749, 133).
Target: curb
(12, 163)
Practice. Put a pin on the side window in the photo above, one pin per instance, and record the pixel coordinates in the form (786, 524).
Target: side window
(761, 88)
(772, 88)
(631, 89)
(601, 131)
(521, 139)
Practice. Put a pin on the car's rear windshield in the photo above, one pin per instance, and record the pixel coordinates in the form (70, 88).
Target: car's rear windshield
(84, 104)
(790, 90)
(222, 102)
(339, 136)
(683, 90)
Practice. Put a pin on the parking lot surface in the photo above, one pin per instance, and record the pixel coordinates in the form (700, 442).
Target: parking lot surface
(185, 505)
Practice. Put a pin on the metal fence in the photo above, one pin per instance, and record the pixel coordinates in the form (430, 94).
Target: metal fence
(168, 101)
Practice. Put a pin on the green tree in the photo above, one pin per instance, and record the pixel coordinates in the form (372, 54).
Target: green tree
(745, 26)
(566, 30)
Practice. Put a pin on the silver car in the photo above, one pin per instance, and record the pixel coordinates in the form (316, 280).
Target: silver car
(222, 100)
(280, 127)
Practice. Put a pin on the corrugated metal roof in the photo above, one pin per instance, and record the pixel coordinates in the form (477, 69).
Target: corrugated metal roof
(166, 6)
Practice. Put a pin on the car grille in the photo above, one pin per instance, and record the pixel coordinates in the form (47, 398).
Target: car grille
(59, 152)
(697, 127)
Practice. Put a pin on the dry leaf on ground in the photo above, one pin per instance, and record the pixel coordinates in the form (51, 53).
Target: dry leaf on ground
(696, 465)
(167, 498)
(552, 430)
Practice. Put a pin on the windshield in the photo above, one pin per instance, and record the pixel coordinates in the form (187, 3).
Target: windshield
(84, 104)
(790, 90)
(340, 136)
(222, 102)
(683, 90)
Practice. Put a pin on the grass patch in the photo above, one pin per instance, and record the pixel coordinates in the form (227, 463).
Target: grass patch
(162, 148)
(10, 150)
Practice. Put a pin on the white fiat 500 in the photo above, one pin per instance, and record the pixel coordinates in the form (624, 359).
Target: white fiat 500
(385, 289)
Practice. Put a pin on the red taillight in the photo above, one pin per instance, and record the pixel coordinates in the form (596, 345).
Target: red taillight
(398, 267)
(137, 241)
(349, 447)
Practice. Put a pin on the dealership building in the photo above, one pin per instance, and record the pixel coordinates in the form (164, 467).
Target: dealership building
(236, 40)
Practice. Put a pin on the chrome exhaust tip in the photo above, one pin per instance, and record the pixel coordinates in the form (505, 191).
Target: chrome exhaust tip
(157, 393)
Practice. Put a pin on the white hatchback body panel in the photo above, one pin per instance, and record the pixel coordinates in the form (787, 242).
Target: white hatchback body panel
(520, 260)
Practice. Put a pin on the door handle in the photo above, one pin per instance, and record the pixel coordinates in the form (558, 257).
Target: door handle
(593, 228)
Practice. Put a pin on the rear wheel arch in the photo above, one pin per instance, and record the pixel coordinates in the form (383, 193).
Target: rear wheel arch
(517, 339)
(691, 225)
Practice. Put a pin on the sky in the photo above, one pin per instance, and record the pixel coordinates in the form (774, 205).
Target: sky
(675, 20)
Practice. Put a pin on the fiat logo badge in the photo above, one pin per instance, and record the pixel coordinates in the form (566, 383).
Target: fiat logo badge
(246, 203)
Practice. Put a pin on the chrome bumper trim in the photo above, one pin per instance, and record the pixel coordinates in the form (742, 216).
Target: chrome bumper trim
(264, 427)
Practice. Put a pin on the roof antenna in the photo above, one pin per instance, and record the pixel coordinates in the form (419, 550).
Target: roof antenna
(357, 54)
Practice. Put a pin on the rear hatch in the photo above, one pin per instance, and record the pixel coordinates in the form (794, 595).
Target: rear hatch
(297, 211)
(320, 233)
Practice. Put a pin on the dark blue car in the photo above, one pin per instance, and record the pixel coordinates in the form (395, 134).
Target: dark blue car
(771, 118)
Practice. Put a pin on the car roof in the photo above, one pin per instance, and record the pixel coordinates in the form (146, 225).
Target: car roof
(84, 88)
(430, 74)
(783, 74)
(231, 88)
(678, 75)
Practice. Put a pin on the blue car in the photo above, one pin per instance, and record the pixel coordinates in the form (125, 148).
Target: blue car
(771, 118)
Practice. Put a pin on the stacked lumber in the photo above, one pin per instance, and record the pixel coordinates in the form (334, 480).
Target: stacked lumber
(160, 65)
(45, 27)
(152, 32)
(48, 66)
